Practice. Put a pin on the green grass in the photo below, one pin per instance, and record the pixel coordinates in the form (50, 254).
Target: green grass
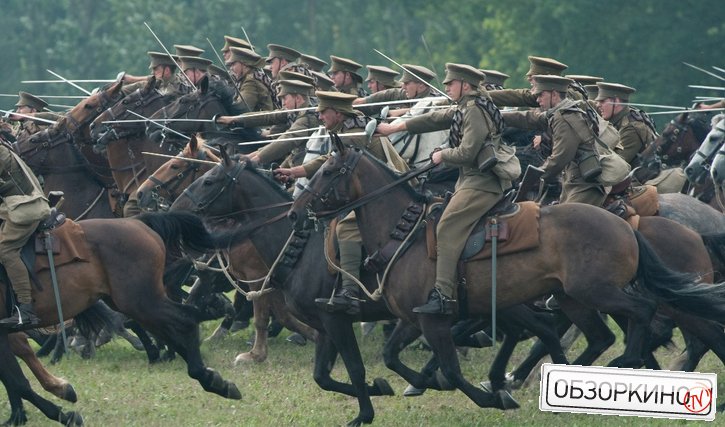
(119, 388)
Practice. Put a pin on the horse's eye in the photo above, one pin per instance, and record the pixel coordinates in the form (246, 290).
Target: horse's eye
(326, 172)
(208, 182)
(175, 167)
(124, 102)
(88, 107)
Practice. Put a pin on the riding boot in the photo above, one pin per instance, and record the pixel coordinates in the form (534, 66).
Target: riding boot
(23, 315)
(347, 297)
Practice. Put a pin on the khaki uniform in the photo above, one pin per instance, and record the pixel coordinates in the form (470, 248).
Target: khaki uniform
(524, 97)
(353, 89)
(568, 127)
(291, 151)
(634, 135)
(254, 94)
(14, 182)
(26, 128)
(475, 193)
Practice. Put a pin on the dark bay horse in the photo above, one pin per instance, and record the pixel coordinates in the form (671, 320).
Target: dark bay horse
(125, 267)
(238, 189)
(590, 265)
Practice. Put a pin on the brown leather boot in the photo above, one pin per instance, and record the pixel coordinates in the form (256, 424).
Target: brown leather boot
(23, 317)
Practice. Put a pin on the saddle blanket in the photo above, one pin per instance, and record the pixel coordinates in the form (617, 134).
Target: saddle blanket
(69, 245)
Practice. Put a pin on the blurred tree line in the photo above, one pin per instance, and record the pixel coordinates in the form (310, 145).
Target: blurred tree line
(642, 44)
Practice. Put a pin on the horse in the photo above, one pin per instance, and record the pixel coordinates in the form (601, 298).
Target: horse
(416, 148)
(125, 265)
(717, 169)
(589, 267)
(697, 170)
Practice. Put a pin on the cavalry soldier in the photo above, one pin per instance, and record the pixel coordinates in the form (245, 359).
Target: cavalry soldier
(313, 63)
(254, 86)
(294, 94)
(344, 72)
(194, 67)
(338, 117)
(279, 57)
(29, 105)
(572, 126)
(494, 79)
(381, 78)
(473, 121)
(230, 42)
(411, 87)
(16, 179)
(523, 97)
(636, 130)
(164, 69)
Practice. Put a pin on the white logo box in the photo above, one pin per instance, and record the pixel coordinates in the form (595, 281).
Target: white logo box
(628, 392)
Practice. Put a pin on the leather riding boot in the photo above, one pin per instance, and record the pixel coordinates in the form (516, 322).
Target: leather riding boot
(23, 317)
(347, 298)
(437, 303)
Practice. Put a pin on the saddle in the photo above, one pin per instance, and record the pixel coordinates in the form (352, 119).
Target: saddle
(631, 203)
(518, 230)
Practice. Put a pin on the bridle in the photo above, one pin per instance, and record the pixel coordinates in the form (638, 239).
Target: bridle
(170, 186)
(120, 110)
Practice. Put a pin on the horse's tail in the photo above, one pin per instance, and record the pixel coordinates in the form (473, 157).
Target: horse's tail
(715, 244)
(178, 228)
(680, 290)
(92, 320)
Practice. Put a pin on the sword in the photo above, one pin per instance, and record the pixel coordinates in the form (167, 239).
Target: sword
(170, 56)
(413, 74)
(494, 241)
(705, 71)
(160, 125)
(301, 138)
(177, 157)
(224, 66)
(688, 111)
(719, 69)
(251, 47)
(37, 119)
(297, 131)
(54, 279)
(706, 87)
(650, 105)
(430, 56)
(65, 81)
(48, 96)
(160, 120)
(69, 82)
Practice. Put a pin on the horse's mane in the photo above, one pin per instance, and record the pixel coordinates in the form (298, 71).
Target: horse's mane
(225, 93)
(393, 175)
(264, 174)
(700, 125)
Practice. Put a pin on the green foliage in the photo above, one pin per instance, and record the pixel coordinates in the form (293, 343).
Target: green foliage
(641, 44)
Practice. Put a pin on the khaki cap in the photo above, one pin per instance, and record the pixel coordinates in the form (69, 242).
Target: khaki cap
(322, 82)
(494, 77)
(592, 91)
(315, 63)
(230, 42)
(188, 62)
(338, 101)
(384, 75)
(187, 50)
(284, 52)
(293, 75)
(27, 100)
(345, 65)
(245, 56)
(294, 87)
(584, 80)
(614, 90)
(463, 72)
(160, 58)
(546, 82)
(418, 70)
(543, 66)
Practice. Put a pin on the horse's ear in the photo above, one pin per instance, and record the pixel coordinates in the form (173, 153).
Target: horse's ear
(193, 145)
(226, 160)
(204, 84)
(337, 141)
(150, 84)
(116, 87)
(683, 117)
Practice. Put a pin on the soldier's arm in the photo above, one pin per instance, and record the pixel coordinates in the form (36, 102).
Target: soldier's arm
(475, 131)
(532, 119)
(429, 122)
(513, 98)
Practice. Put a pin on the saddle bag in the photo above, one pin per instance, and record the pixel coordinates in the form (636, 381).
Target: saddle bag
(25, 210)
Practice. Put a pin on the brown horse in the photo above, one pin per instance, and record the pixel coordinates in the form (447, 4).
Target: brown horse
(125, 265)
(164, 186)
(585, 253)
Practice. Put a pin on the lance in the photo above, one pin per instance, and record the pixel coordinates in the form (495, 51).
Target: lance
(301, 138)
(706, 87)
(207, 162)
(170, 56)
(672, 107)
(251, 47)
(159, 125)
(224, 66)
(705, 71)
(686, 111)
(413, 74)
(64, 81)
(48, 96)
(37, 119)
(69, 82)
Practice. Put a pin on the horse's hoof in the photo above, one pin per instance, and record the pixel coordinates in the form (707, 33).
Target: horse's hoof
(233, 392)
(218, 335)
(74, 419)
(486, 386)
(297, 339)
(243, 358)
(506, 401)
(69, 394)
(238, 325)
(412, 391)
(383, 387)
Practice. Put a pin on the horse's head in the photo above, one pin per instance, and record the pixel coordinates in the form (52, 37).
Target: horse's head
(717, 170)
(333, 186)
(697, 169)
(79, 118)
(144, 101)
(163, 186)
(189, 112)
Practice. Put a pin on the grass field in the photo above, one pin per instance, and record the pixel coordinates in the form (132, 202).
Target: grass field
(119, 388)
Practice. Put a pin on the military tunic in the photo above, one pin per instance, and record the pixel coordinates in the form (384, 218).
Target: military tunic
(255, 96)
(634, 135)
(572, 137)
(475, 193)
